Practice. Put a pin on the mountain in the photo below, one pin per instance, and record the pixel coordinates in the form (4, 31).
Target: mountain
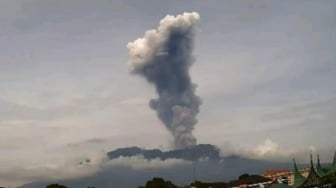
(213, 168)
(192, 153)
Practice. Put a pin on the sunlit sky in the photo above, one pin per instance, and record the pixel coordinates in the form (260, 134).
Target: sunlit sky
(265, 71)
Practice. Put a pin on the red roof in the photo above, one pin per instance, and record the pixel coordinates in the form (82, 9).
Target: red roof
(275, 172)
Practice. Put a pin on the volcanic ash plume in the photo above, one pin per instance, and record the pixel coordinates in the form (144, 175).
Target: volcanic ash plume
(163, 56)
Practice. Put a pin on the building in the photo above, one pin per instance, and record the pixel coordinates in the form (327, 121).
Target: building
(275, 174)
(314, 176)
(285, 176)
(317, 176)
(279, 175)
(253, 181)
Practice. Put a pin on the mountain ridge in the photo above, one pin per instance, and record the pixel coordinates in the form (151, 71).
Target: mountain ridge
(191, 153)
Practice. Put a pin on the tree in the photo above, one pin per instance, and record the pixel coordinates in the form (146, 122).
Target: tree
(56, 186)
(243, 176)
(158, 183)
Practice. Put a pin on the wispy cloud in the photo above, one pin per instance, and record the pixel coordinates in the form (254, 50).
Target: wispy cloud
(140, 163)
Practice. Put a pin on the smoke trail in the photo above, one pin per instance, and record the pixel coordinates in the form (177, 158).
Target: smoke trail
(164, 56)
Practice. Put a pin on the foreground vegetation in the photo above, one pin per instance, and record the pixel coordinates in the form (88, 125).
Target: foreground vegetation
(161, 183)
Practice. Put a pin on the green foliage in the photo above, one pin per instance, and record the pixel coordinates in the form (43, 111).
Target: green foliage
(333, 182)
(60, 186)
(158, 183)
(243, 176)
(56, 186)
(199, 184)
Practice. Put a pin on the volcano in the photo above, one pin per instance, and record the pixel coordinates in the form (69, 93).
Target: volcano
(192, 153)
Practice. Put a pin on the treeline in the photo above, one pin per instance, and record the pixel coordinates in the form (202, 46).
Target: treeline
(59, 186)
(161, 183)
(243, 179)
(158, 183)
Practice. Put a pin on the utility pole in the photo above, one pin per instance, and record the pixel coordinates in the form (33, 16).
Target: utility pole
(194, 171)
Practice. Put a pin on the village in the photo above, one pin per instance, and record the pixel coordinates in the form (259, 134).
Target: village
(315, 175)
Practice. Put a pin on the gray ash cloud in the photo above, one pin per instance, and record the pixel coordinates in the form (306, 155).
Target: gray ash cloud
(163, 57)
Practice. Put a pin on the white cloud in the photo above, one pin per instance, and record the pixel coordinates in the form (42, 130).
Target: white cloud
(267, 147)
(272, 151)
(52, 170)
(139, 162)
(312, 149)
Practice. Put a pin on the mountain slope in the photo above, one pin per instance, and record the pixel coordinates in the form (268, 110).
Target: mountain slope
(214, 169)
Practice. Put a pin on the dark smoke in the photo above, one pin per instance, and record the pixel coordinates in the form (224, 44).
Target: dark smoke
(164, 56)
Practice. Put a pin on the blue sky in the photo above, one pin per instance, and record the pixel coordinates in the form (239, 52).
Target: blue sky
(265, 71)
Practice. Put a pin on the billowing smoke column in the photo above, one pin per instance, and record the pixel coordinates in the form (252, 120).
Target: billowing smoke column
(164, 56)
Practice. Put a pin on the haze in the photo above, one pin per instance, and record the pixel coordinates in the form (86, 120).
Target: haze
(265, 71)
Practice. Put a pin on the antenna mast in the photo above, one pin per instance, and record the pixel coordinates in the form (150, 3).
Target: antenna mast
(194, 171)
